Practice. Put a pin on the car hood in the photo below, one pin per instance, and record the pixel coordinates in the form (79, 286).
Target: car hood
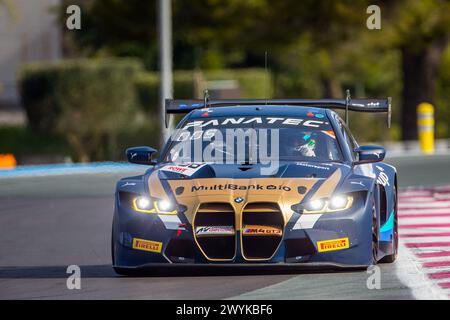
(237, 185)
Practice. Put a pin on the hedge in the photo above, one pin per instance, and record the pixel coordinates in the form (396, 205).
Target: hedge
(87, 102)
(254, 83)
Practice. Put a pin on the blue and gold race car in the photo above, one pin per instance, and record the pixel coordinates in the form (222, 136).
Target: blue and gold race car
(258, 183)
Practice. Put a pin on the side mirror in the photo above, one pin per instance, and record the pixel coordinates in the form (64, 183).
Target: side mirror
(141, 155)
(369, 154)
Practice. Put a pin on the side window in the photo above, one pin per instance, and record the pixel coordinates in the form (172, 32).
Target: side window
(348, 137)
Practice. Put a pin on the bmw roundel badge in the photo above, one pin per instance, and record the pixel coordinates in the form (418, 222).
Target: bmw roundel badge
(238, 200)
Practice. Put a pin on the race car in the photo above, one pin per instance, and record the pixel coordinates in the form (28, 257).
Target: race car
(258, 183)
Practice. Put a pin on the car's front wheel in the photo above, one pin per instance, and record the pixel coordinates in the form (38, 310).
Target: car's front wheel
(375, 235)
(391, 258)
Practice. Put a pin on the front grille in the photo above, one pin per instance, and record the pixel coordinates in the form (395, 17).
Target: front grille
(262, 230)
(214, 230)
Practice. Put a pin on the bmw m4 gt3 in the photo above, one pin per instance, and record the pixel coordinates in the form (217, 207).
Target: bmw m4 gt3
(258, 183)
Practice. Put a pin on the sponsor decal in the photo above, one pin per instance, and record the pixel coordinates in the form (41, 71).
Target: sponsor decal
(187, 169)
(332, 245)
(214, 231)
(329, 133)
(261, 231)
(257, 120)
(232, 186)
(310, 165)
(126, 184)
(382, 178)
(147, 245)
(358, 183)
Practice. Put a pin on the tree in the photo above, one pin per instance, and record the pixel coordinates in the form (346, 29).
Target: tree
(316, 48)
(420, 29)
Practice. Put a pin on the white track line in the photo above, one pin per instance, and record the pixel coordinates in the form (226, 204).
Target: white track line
(416, 205)
(437, 220)
(411, 274)
(416, 199)
(427, 240)
(428, 247)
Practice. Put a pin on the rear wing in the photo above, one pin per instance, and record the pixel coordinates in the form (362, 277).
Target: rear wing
(347, 104)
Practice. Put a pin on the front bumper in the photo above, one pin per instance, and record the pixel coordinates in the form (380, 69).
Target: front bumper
(298, 247)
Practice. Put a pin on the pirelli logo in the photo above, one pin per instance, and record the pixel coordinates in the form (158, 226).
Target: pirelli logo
(332, 245)
(147, 245)
(261, 231)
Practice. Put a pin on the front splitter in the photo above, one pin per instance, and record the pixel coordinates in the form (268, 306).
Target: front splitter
(191, 269)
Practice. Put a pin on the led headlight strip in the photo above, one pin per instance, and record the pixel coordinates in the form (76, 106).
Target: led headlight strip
(333, 204)
(146, 205)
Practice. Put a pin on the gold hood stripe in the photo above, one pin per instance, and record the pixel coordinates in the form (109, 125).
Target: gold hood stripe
(156, 188)
(327, 188)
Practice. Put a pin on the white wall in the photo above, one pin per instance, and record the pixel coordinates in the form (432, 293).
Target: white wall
(32, 35)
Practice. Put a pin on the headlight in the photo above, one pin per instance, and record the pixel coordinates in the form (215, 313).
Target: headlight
(165, 207)
(315, 205)
(338, 202)
(335, 203)
(143, 204)
(147, 205)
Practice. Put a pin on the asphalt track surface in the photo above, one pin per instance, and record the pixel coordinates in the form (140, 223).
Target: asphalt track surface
(49, 223)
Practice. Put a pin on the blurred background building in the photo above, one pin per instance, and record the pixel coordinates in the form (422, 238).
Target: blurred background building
(29, 32)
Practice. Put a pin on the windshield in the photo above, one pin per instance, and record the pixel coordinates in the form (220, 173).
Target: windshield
(250, 140)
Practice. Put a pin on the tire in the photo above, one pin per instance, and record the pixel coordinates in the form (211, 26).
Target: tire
(375, 236)
(392, 257)
(113, 262)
